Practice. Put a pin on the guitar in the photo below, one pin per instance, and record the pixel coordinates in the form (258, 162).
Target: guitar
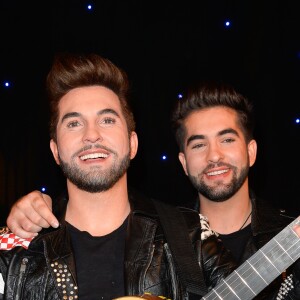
(255, 273)
(261, 268)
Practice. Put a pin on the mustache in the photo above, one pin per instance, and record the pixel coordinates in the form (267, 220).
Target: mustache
(96, 146)
(217, 165)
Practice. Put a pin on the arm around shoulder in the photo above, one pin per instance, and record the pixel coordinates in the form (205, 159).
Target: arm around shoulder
(30, 214)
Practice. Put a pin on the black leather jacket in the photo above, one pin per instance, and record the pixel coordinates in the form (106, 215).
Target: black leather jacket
(47, 269)
(266, 222)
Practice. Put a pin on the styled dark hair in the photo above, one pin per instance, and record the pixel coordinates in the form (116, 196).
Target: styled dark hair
(70, 71)
(211, 94)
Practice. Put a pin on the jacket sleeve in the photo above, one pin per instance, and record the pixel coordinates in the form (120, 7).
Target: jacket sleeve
(294, 292)
(3, 272)
(9, 244)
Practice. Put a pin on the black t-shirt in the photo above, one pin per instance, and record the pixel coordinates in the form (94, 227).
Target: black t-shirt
(99, 263)
(236, 241)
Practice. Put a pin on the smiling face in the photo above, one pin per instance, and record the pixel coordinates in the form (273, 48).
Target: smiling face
(216, 156)
(93, 147)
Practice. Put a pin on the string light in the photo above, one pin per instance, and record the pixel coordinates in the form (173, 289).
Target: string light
(227, 23)
(89, 7)
(7, 84)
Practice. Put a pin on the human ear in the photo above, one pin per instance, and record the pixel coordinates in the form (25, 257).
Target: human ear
(133, 144)
(54, 150)
(182, 160)
(252, 151)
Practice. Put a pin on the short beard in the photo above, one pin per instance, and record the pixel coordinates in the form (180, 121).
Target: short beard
(228, 190)
(95, 181)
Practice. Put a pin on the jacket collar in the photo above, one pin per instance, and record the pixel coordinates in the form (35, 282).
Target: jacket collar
(139, 203)
(265, 218)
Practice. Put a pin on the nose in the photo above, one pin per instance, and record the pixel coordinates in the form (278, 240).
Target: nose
(92, 134)
(215, 153)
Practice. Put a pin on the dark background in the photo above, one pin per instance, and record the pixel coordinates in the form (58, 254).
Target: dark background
(163, 46)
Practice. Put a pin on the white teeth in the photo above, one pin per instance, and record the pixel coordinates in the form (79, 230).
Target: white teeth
(217, 172)
(93, 155)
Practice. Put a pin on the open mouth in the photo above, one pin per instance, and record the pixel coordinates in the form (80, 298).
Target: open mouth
(219, 172)
(93, 156)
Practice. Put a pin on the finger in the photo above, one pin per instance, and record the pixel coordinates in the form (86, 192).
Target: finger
(19, 231)
(25, 218)
(42, 214)
(26, 211)
(297, 229)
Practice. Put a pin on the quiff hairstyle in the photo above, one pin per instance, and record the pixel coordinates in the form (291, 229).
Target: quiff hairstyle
(211, 94)
(70, 71)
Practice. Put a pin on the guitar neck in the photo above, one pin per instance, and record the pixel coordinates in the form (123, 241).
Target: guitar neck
(261, 268)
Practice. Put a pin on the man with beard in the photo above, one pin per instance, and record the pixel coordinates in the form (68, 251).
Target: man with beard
(108, 240)
(213, 126)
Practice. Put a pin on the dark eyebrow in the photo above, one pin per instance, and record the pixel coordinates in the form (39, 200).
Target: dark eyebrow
(107, 111)
(70, 115)
(228, 130)
(194, 137)
(100, 112)
(201, 136)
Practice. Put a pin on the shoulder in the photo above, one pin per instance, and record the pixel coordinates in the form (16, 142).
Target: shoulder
(266, 217)
(153, 208)
(196, 223)
(267, 210)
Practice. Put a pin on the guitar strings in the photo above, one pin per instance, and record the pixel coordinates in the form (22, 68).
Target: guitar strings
(245, 269)
(240, 272)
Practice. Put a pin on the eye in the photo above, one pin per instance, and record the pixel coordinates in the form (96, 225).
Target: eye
(73, 124)
(198, 146)
(108, 121)
(228, 140)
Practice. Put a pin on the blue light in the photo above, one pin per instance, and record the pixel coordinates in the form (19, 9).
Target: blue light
(164, 157)
(7, 84)
(297, 120)
(180, 96)
(227, 23)
(43, 189)
(89, 7)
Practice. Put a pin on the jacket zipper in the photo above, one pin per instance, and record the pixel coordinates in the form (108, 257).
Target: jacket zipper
(21, 275)
(142, 282)
(172, 270)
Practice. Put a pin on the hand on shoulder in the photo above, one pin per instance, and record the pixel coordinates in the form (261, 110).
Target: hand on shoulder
(30, 214)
